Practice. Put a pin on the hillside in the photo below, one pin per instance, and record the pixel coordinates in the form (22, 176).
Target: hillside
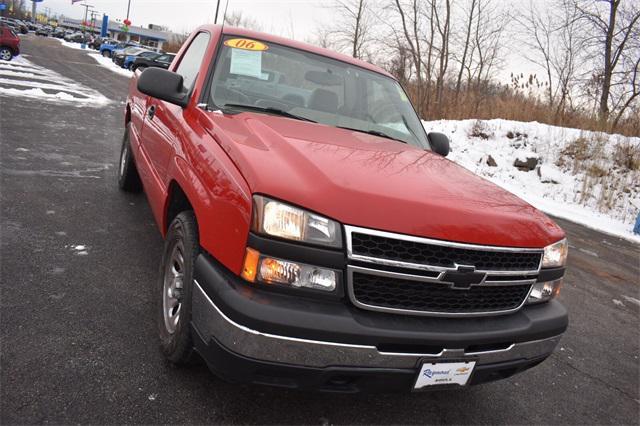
(590, 178)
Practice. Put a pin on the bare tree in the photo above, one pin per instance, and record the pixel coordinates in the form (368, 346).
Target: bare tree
(630, 83)
(486, 46)
(443, 25)
(613, 28)
(352, 31)
(539, 27)
(238, 19)
(409, 37)
(465, 45)
(553, 40)
(322, 37)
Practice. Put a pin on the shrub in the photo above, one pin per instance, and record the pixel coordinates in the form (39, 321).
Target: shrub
(627, 155)
(479, 130)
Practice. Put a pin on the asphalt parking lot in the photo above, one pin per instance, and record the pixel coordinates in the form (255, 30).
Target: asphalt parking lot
(79, 259)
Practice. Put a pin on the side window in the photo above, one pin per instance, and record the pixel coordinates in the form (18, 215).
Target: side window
(192, 59)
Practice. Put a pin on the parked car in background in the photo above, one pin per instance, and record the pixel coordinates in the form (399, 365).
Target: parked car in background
(44, 31)
(10, 24)
(16, 25)
(76, 37)
(120, 55)
(99, 41)
(131, 57)
(107, 49)
(58, 33)
(161, 60)
(22, 26)
(9, 43)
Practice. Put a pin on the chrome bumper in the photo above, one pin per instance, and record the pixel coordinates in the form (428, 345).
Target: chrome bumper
(211, 322)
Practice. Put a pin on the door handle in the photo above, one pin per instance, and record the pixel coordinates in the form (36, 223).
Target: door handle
(151, 112)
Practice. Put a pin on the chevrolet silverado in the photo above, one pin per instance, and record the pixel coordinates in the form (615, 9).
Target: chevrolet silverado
(316, 237)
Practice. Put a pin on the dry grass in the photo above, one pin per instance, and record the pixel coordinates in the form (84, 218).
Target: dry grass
(479, 130)
(608, 168)
(501, 101)
(627, 155)
(585, 153)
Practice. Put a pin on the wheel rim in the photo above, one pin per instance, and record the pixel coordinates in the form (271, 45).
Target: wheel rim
(123, 159)
(5, 54)
(173, 287)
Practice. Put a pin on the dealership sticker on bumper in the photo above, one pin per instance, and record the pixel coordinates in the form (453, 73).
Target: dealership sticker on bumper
(444, 373)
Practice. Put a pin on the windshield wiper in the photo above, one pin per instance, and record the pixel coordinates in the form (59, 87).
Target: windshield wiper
(372, 132)
(269, 110)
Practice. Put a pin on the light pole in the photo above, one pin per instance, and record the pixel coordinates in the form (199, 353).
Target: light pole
(86, 11)
(128, 9)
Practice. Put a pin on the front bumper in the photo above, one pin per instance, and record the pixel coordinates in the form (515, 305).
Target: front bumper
(249, 335)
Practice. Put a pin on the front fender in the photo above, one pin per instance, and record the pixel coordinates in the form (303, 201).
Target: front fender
(221, 201)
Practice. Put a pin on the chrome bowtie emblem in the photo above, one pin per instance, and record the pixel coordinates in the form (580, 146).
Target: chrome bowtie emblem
(463, 277)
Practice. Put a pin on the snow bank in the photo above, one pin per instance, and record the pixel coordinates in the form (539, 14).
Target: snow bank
(108, 63)
(37, 93)
(596, 191)
(105, 62)
(22, 78)
(70, 44)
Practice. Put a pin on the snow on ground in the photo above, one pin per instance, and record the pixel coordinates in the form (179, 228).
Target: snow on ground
(22, 78)
(70, 44)
(108, 63)
(579, 175)
(105, 62)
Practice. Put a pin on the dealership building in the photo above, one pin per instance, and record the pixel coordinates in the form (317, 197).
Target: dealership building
(154, 36)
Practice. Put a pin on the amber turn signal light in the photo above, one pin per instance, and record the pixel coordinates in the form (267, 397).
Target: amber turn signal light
(250, 267)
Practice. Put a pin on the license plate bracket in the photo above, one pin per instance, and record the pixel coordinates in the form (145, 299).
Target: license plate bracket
(444, 373)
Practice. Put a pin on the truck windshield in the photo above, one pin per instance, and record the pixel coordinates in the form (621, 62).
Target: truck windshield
(269, 77)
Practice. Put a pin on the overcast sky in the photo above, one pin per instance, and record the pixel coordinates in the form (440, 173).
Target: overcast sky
(298, 19)
(276, 16)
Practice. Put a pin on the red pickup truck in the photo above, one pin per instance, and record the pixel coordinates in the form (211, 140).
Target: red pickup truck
(316, 236)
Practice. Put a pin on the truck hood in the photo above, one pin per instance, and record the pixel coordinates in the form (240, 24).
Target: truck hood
(369, 181)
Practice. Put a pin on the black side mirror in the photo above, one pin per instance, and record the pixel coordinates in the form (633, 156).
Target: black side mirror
(439, 143)
(164, 85)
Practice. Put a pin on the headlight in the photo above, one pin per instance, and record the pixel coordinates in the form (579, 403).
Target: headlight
(555, 255)
(285, 221)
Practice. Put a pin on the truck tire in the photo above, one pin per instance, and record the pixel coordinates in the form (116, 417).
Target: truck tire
(128, 178)
(175, 288)
(6, 54)
(106, 53)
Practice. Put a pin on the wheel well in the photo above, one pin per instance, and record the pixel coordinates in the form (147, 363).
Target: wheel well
(178, 202)
(127, 116)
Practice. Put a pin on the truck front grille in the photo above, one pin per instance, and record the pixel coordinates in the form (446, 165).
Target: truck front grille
(376, 246)
(408, 295)
(419, 276)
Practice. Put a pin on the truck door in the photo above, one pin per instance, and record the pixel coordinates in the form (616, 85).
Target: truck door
(163, 122)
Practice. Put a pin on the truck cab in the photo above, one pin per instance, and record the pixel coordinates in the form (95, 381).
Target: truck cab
(316, 235)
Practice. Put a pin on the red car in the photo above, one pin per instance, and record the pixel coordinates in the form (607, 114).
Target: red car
(9, 43)
(316, 236)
